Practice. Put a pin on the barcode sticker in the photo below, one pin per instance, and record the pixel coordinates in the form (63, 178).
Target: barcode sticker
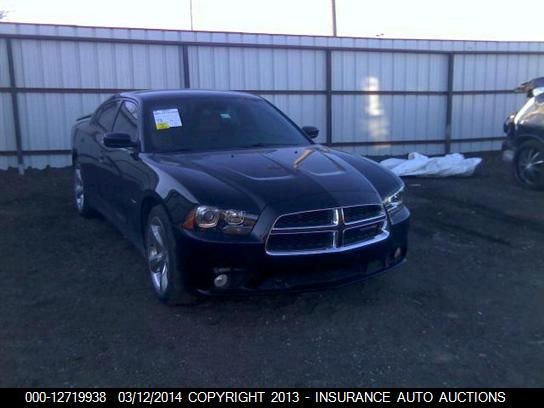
(166, 119)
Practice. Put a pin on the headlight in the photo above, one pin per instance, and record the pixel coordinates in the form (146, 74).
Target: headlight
(228, 221)
(395, 201)
(207, 217)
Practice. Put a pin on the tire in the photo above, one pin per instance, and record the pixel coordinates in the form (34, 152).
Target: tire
(528, 165)
(165, 260)
(80, 199)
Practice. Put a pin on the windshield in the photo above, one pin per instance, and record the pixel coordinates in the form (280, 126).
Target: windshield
(217, 123)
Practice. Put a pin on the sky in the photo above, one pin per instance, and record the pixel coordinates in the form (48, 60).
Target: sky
(439, 19)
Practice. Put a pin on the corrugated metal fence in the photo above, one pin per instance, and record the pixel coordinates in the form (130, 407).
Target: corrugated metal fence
(371, 96)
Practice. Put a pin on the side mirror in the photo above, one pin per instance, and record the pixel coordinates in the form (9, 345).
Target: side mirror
(311, 131)
(118, 140)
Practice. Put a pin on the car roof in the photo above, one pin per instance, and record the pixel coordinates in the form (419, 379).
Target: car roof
(152, 95)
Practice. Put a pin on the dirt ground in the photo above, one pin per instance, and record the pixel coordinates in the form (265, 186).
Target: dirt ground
(467, 309)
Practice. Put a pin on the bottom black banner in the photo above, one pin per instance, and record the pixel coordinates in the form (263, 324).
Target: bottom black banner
(255, 396)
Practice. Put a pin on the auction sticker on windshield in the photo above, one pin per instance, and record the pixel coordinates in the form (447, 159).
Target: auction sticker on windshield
(166, 118)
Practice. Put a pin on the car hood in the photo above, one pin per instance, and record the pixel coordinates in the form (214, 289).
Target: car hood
(306, 176)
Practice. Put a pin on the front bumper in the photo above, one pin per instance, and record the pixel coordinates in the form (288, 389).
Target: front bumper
(250, 270)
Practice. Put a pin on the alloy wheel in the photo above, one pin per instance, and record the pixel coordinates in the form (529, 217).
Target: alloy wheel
(79, 191)
(530, 166)
(157, 255)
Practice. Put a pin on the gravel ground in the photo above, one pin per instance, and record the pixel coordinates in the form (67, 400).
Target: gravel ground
(466, 310)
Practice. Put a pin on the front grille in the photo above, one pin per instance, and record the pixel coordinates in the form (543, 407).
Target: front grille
(306, 219)
(362, 212)
(327, 230)
(360, 234)
(295, 242)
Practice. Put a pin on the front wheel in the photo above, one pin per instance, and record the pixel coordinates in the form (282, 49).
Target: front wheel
(165, 261)
(529, 165)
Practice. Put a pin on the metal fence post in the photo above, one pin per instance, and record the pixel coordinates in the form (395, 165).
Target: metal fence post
(328, 103)
(333, 15)
(185, 56)
(449, 103)
(15, 108)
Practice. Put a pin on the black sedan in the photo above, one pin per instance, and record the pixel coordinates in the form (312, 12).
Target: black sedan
(224, 194)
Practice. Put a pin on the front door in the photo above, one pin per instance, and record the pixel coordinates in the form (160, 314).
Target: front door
(124, 170)
(101, 123)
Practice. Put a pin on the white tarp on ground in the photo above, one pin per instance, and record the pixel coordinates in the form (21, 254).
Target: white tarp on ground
(420, 165)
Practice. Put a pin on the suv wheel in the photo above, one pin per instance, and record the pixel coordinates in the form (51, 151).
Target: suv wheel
(529, 165)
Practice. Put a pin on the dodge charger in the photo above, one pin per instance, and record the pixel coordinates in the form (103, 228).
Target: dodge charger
(224, 194)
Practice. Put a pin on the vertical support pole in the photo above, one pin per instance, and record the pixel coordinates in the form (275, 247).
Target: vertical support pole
(328, 89)
(185, 57)
(191, 13)
(333, 15)
(449, 103)
(15, 108)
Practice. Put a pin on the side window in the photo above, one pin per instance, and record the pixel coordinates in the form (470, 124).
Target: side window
(106, 116)
(127, 120)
